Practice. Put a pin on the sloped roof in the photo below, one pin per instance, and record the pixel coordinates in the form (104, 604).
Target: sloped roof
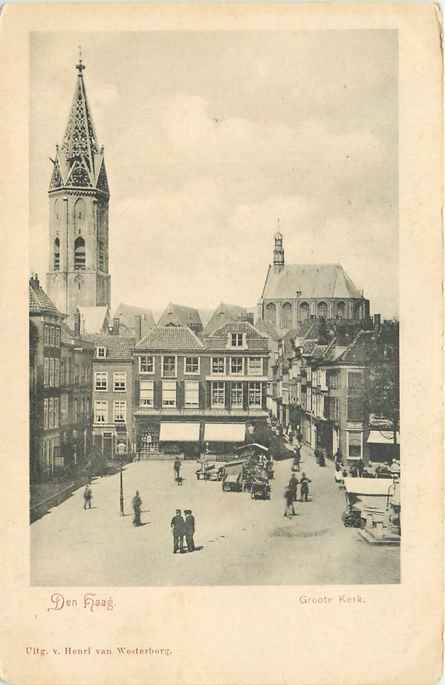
(93, 319)
(269, 329)
(312, 280)
(119, 347)
(254, 338)
(223, 314)
(69, 337)
(130, 311)
(180, 315)
(170, 338)
(361, 348)
(39, 302)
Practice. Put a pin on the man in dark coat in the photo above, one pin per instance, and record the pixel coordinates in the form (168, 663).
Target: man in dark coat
(189, 528)
(293, 483)
(177, 526)
(177, 468)
(304, 487)
(137, 503)
(87, 497)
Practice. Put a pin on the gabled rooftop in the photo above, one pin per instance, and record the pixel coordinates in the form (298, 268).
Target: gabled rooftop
(223, 314)
(39, 302)
(119, 347)
(170, 338)
(180, 315)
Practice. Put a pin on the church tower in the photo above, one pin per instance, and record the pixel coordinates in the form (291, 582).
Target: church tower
(78, 213)
(278, 253)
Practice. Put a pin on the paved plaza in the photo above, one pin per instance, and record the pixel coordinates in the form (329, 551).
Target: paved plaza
(240, 541)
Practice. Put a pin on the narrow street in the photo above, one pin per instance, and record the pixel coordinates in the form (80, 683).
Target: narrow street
(240, 541)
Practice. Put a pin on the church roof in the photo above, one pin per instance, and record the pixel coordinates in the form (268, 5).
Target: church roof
(312, 280)
(79, 160)
(39, 302)
(224, 313)
(180, 315)
(170, 338)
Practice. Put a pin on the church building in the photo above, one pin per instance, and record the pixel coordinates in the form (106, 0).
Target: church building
(294, 293)
(78, 274)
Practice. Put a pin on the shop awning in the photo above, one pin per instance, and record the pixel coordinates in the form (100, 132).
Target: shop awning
(370, 487)
(179, 432)
(225, 432)
(382, 438)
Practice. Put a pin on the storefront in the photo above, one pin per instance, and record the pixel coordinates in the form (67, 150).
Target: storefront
(177, 438)
(221, 438)
(381, 446)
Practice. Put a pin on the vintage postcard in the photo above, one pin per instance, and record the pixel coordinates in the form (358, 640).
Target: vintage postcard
(222, 288)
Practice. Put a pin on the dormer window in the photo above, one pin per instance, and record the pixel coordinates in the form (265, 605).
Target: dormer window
(101, 352)
(236, 339)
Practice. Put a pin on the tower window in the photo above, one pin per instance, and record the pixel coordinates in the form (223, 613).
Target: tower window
(56, 254)
(79, 254)
(101, 255)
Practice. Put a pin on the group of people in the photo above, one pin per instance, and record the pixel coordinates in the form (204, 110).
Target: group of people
(183, 527)
(291, 491)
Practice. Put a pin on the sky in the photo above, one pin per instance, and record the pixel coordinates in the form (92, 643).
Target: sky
(210, 138)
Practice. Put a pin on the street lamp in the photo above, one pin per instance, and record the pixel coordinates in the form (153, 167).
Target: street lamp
(121, 452)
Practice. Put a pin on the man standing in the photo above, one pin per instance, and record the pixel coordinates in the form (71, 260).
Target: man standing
(177, 469)
(87, 497)
(189, 529)
(293, 483)
(289, 499)
(177, 527)
(304, 487)
(137, 503)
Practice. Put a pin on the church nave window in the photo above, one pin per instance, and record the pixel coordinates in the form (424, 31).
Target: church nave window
(79, 254)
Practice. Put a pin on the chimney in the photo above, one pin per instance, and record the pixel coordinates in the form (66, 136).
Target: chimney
(116, 325)
(138, 326)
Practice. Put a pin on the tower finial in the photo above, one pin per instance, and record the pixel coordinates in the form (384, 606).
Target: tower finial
(80, 65)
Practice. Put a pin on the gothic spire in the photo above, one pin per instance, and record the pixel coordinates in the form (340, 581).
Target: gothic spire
(80, 160)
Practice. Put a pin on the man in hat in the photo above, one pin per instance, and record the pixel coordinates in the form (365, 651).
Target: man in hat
(177, 469)
(189, 529)
(177, 527)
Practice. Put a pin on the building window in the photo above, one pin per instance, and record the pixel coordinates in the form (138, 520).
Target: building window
(286, 315)
(254, 394)
(355, 380)
(101, 411)
(354, 445)
(101, 380)
(236, 395)
(218, 366)
(333, 381)
(119, 381)
(341, 308)
(56, 412)
(146, 394)
(304, 311)
(218, 397)
(322, 310)
(56, 373)
(50, 413)
(87, 409)
(101, 352)
(191, 398)
(46, 372)
(79, 254)
(191, 365)
(355, 409)
(236, 339)
(64, 409)
(236, 366)
(169, 394)
(146, 363)
(101, 255)
(45, 414)
(271, 313)
(255, 366)
(51, 373)
(120, 411)
(56, 254)
(169, 366)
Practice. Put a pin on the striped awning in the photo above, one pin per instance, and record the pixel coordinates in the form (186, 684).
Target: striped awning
(179, 432)
(382, 438)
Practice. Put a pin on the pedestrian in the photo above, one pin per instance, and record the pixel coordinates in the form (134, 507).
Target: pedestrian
(87, 497)
(293, 484)
(360, 467)
(297, 458)
(137, 503)
(189, 528)
(304, 487)
(299, 436)
(289, 499)
(177, 469)
(338, 459)
(177, 527)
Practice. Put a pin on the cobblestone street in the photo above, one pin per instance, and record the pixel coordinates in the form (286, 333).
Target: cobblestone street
(240, 541)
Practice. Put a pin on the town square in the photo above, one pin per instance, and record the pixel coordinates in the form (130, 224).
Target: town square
(214, 403)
